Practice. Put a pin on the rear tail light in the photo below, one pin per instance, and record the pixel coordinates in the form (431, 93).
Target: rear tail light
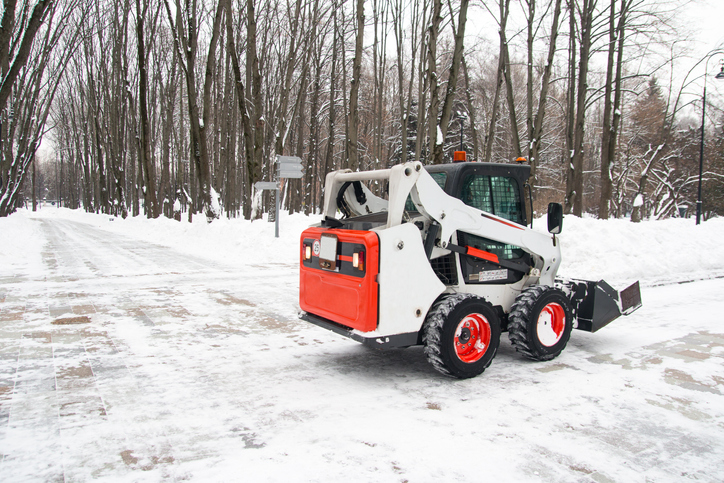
(307, 252)
(358, 260)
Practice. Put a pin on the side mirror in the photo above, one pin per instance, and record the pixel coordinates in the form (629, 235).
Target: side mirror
(555, 218)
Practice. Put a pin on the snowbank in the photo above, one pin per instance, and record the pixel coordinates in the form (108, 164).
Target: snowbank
(654, 252)
(19, 235)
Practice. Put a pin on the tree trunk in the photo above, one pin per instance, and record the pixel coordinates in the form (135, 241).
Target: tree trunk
(353, 116)
(422, 86)
(471, 111)
(254, 166)
(245, 120)
(34, 188)
(510, 96)
(610, 123)
(605, 198)
(314, 125)
(452, 78)
(570, 109)
(146, 161)
(433, 81)
(490, 141)
(399, 39)
(586, 25)
(282, 123)
(329, 155)
(529, 84)
(537, 127)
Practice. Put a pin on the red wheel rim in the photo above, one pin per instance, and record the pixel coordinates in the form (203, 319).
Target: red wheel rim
(472, 338)
(551, 324)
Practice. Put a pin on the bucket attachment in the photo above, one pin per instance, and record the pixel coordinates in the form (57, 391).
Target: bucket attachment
(600, 304)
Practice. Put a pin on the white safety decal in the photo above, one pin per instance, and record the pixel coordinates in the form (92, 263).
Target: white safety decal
(489, 275)
(316, 248)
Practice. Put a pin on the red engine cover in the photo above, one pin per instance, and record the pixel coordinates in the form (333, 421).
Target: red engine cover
(346, 295)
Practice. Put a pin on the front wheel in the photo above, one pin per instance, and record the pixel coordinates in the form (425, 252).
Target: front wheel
(461, 335)
(540, 323)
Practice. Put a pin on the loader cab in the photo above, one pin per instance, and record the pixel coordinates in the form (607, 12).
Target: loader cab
(494, 188)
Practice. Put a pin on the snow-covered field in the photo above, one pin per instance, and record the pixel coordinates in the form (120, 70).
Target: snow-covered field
(137, 350)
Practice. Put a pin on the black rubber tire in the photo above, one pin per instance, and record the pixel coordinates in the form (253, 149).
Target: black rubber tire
(439, 335)
(523, 322)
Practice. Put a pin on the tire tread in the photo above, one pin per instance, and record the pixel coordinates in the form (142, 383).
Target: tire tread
(433, 328)
(518, 323)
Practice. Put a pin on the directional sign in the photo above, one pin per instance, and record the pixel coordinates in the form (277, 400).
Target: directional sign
(265, 185)
(289, 166)
(290, 174)
(289, 160)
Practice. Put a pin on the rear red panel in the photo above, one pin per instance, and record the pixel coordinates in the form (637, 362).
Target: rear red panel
(346, 295)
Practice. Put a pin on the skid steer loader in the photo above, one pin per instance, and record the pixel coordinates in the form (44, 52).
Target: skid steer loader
(446, 261)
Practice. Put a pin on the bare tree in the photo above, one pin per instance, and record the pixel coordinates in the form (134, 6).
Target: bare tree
(447, 105)
(612, 108)
(433, 81)
(28, 91)
(147, 162)
(504, 6)
(586, 17)
(535, 125)
(25, 31)
(185, 28)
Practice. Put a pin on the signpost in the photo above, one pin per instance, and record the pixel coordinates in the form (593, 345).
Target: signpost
(288, 167)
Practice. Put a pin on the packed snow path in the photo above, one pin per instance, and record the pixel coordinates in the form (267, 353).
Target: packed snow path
(128, 361)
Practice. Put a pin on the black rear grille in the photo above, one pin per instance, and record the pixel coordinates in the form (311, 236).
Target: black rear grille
(444, 268)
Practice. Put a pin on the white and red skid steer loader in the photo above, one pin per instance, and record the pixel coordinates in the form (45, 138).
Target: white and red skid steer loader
(446, 261)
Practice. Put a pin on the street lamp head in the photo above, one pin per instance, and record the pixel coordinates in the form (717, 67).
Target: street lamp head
(720, 75)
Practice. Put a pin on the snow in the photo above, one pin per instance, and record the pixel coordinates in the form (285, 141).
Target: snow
(192, 365)
(638, 201)
(215, 206)
(439, 140)
(256, 203)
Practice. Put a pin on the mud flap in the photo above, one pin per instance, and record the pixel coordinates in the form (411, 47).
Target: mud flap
(600, 304)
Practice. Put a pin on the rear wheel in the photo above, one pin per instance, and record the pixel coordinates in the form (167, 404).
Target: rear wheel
(540, 322)
(461, 335)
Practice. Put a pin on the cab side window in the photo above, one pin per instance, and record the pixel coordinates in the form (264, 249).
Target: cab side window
(498, 195)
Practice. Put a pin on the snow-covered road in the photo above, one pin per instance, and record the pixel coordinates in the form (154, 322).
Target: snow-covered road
(130, 361)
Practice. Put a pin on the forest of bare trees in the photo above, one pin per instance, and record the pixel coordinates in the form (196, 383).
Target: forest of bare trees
(177, 107)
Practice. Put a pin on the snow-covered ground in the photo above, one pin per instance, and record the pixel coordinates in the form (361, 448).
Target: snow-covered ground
(137, 350)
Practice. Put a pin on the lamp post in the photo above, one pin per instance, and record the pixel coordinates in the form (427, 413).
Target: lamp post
(720, 76)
